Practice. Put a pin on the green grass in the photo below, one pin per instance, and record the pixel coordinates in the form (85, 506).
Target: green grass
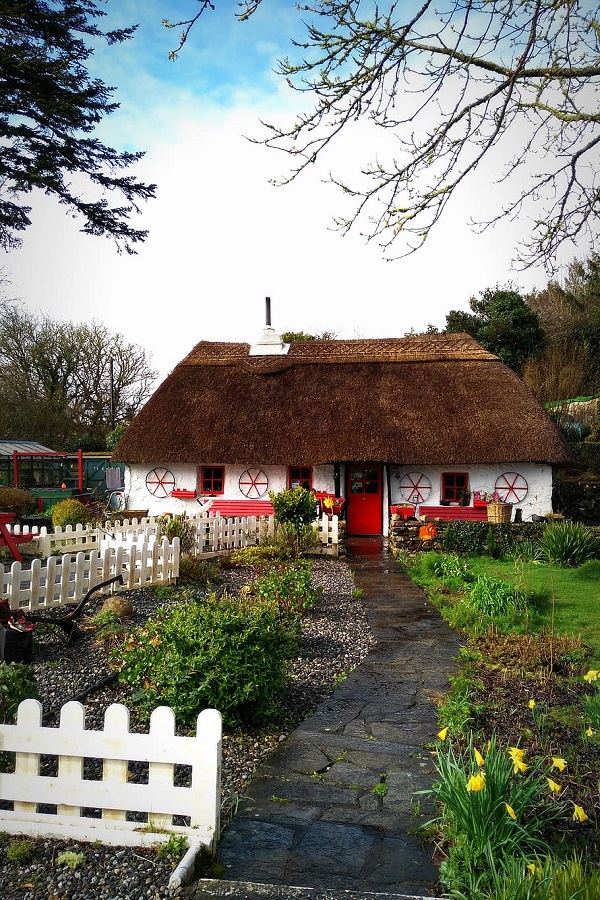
(576, 593)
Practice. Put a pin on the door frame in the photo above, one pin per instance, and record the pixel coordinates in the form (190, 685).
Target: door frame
(380, 495)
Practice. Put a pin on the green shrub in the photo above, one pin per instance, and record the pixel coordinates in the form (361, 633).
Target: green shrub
(17, 683)
(70, 512)
(195, 572)
(569, 544)
(590, 570)
(17, 501)
(178, 526)
(258, 555)
(295, 511)
(228, 654)
(289, 588)
(20, 851)
(494, 597)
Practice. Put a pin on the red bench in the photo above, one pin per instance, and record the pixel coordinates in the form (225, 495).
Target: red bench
(450, 513)
(10, 540)
(235, 509)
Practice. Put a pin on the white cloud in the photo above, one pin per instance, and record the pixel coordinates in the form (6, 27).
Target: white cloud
(221, 238)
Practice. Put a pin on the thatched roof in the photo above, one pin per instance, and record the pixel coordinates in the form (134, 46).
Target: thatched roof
(435, 399)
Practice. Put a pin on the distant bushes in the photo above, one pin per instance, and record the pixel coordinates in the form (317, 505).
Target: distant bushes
(17, 501)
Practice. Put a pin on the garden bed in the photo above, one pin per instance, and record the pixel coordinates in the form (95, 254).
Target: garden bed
(335, 637)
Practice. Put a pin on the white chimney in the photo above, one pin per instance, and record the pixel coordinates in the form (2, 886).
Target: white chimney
(269, 343)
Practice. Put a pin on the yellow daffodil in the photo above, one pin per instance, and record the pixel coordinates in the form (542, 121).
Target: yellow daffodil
(535, 870)
(592, 675)
(443, 734)
(559, 763)
(476, 782)
(520, 766)
(478, 757)
(510, 811)
(516, 753)
(579, 814)
(531, 704)
(554, 787)
(589, 731)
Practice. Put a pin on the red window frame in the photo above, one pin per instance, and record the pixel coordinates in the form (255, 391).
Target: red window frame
(300, 476)
(212, 480)
(454, 486)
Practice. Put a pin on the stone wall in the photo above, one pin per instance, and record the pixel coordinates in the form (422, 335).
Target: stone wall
(404, 536)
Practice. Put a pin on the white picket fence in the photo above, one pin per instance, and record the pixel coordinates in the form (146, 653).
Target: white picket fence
(217, 534)
(66, 579)
(126, 814)
(214, 534)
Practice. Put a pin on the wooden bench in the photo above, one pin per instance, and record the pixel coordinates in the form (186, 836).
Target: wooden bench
(235, 509)
(451, 513)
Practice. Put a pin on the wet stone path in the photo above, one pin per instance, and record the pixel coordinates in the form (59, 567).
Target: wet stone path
(333, 809)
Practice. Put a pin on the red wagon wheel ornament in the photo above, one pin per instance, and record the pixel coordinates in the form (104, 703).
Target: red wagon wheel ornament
(253, 483)
(160, 482)
(512, 487)
(415, 487)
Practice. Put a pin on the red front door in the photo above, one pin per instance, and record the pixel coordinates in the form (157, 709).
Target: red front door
(364, 511)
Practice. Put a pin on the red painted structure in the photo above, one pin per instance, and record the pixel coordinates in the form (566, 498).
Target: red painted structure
(12, 540)
(451, 513)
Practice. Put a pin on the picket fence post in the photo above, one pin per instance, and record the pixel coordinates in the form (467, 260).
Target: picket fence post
(113, 796)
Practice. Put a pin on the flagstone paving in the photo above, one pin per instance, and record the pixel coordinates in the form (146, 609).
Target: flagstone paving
(334, 808)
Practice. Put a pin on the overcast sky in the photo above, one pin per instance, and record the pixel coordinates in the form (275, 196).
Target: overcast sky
(221, 237)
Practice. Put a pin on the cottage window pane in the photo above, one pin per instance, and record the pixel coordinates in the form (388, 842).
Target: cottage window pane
(300, 476)
(212, 479)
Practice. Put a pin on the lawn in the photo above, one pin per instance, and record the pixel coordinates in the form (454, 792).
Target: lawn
(576, 593)
(518, 754)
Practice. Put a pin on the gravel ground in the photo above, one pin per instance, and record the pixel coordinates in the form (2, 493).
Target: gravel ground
(335, 637)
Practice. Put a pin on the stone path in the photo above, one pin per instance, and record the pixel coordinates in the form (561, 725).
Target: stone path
(332, 811)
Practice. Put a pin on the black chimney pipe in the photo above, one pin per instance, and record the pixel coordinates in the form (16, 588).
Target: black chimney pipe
(268, 304)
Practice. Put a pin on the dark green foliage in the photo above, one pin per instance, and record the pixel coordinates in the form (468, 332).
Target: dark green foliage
(16, 500)
(503, 323)
(569, 544)
(486, 539)
(70, 512)
(229, 654)
(17, 683)
(114, 436)
(49, 109)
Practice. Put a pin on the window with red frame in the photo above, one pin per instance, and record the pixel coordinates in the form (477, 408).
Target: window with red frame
(212, 479)
(454, 486)
(300, 476)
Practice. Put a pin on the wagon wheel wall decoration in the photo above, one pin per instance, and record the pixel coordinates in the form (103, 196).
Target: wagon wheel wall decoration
(511, 487)
(253, 483)
(415, 487)
(160, 482)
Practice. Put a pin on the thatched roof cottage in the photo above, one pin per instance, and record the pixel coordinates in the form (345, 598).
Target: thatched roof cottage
(430, 419)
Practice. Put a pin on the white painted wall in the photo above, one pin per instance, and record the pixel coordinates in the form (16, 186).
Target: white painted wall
(186, 476)
(538, 500)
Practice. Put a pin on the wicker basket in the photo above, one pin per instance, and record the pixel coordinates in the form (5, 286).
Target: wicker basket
(499, 513)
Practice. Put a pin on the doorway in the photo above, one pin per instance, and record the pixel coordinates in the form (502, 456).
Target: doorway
(364, 510)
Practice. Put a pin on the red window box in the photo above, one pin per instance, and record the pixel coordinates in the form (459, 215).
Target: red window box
(480, 503)
(407, 512)
(183, 494)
